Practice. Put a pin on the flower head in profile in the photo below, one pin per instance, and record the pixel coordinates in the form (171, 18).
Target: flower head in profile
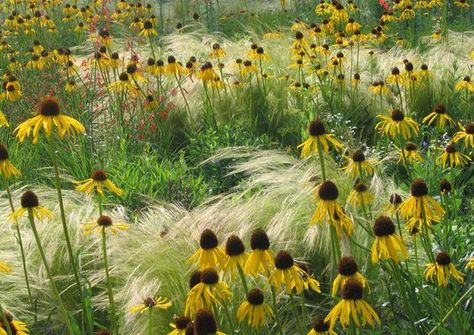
(393, 206)
(96, 183)
(147, 29)
(397, 124)
(360, 195)
(287, 274)
(209, 254)
(254, 309)
(451, 157)
(441, 270)
(440, 116)
(260, 259)
(16, 327)
(235, 255)
(321, 327)
(151, 303)
(3, 120)
(318, 139)
(470, 263)
(49, 117)
(309, 282)
(205, 323)
(466, 134)
(7, 169)
(353, 308)
(387, 244)
(29, 201)
(104, 223)
(409, 154)
(180, 325)
(347, 270)
(217, 51)
(465, 85)
(359, 165)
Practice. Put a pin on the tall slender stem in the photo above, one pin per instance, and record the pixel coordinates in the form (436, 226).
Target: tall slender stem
(295, 313)
(107, 278)
(150, 320)
(5, 322)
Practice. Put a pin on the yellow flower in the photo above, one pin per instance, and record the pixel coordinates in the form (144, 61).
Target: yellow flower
(217, 83)
(394, 204)
(235, 257)
(208, 292)
(150, 303)
(347, 270)
(206, 73)
(217, 51)
(339, 14)
(209, 255)
(352, 308)
(352, 26)
(409, 154)
(318, 138)
(309, 283)
(147, 29)
(321, 327)
(462, 4)
(260, 259)
(123, 84)
(360, 195)
(3, 120)
(397, 124)
(378, 87)
(205, 323)
(173, 67)
(420, 208)
(29, 201)
(248, 68)
(255, 310)
(180, 325)
(4, 267)
(17, 327)
(470, 263)
(328, 209)
(104, 222)
(466, 134)
(358, 165)
(96, 183)
(287, 274)
(48, 117)
(259, 55)
(465, 84)
(440, 271)
(452, 157)
(387, 244)
(7, 169)
(439, 114)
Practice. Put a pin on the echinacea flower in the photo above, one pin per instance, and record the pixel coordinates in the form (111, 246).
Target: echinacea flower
(180, 325)
(360, 195)
(49, 117)
(470, 263)
(254, 309)
(96, 183)
(328, 209)
(173, 67)
(347, 270)
(124, 84)
(217, 51)
(260, 259)
(309, 282)
(397, 124)
(445, 186)
(209, 254)
(452, 157)
(150, 303)
(147, 29)
(394, 204)
(206, 72)
(352, 308)
(205, 323)
(7, 169)
(287, 274)
(318, 137)
(465, 84)
(321, 327)
(466, 134)
(439, 115)
(235, 255)
(387, 244)
(359, 166)
(409, 154)
(440, 271)
(29, 201)
(106, 223)
(3, 120)
(208, 292)
(17, 327)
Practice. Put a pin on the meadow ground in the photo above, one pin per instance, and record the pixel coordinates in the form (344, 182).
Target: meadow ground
(202, 167)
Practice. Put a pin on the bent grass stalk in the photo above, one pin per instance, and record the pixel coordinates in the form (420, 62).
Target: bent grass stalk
(5, 321)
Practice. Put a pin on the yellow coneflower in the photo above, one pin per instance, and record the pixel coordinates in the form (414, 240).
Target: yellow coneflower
(309, 282)
(445, 186)
(70, 86)
(355, 80)
(339, 14)
(248, 68)
(173, 67)
(48, 117)
(328, 209)
(217, 51)
(360, 195)
(347, 270)
(440, 271)
(260, 259)
(395, 201)
(452, 157)
(209, 291)
(235, 255)
(466, 134)
(259, 55)
(462, 4)
(387, 244)
(206, 73)
(7, 169)
(439, 115)
(17, 327)
(352, 26)
(180, 325)
(96, 183)
(358, 165)
(4, 267)
(135, 73)
(150, 303)
(254, 309)
(470, 263)
(106, 223)
(205, 323)
(29, 200)
(124, 84)
(379, 88)
(394, 77)
(209, 254)
(321, 327)
(318, 137)
(420, 207)
(287, 274)
(352, 308)
(12, 92)
(397, 124)
(147, 29)
(409, 154)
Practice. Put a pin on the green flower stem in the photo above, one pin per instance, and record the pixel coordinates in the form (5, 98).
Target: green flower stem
(107, 277)
(150, 320)
(48, 273)
(5, 321)
(321, 160)
(295, 312)
(242, 277)
(275, 310)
